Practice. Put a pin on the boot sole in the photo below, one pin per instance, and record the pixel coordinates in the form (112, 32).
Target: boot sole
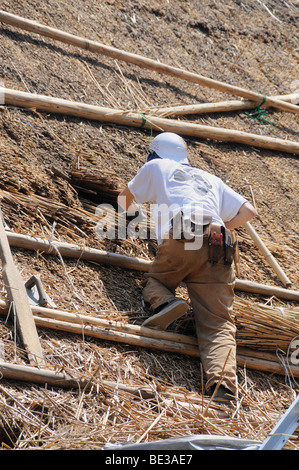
(167, 315)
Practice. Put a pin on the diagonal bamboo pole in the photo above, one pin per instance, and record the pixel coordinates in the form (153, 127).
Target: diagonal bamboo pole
(267, 254)
(141, 61)
(98, 113)
(19, 302)
(221, 106)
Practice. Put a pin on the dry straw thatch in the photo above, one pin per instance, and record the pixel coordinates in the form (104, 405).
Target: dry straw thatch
(142, 406)
(135, 394)
(146, 408)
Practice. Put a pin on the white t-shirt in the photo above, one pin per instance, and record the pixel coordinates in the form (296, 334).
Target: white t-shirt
(172, 187)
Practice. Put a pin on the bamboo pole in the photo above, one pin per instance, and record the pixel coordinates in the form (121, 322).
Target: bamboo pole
(64, 380)
(264, 289)
(98, 113)
(119, 336)
(103, 323)
(128, 262)
(19, 302)
(164, 345)
(113, 325)
(221, 106)
(41, 376)
(264, 320)
(140, 61)
(267, 254)
(69, 250)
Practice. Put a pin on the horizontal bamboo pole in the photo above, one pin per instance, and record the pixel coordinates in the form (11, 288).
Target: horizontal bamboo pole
(26, 373)
(164, 345)
(114, 116)
(265, 365)
(41, 376)
(267, 254)
(140, 61)
(69, 250)
(221, 106)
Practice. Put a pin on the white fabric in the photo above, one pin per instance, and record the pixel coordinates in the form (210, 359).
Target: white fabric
(173, 187)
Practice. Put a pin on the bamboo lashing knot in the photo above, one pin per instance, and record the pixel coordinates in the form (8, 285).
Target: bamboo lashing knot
(259, 113)
(144, 121)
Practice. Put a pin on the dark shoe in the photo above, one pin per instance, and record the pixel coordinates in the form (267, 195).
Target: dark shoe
(223, 394)
(168, 314)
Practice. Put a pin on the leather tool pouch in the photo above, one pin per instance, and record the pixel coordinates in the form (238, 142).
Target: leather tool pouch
(221, 247)
(216, 239)
(229, 249)
(229, 255)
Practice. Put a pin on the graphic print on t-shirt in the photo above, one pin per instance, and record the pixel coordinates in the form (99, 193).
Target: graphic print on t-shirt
(200, 185)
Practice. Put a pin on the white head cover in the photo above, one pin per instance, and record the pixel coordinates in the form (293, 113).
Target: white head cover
(171, 146)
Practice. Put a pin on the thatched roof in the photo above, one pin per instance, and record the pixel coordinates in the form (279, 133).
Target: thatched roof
(55, 170)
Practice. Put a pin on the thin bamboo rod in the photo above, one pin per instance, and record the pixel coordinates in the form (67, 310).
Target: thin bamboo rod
(264, 289)
(221, 106)
(26, 373)
(86, 111)
(267, 254)
(128, 262)
(119, 336)
(140, 61)
(37, 375)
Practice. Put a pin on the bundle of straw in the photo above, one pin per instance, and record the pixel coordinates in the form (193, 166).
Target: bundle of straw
(265, 327)
(104, 184)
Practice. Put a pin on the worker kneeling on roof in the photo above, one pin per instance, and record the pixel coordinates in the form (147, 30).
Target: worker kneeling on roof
(195, 247)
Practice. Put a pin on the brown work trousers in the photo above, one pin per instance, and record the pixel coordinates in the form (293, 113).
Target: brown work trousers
(210, 288)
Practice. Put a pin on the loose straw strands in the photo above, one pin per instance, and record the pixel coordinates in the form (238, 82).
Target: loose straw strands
(142, 409)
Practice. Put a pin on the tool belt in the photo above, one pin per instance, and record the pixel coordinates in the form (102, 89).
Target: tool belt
(220, 245)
